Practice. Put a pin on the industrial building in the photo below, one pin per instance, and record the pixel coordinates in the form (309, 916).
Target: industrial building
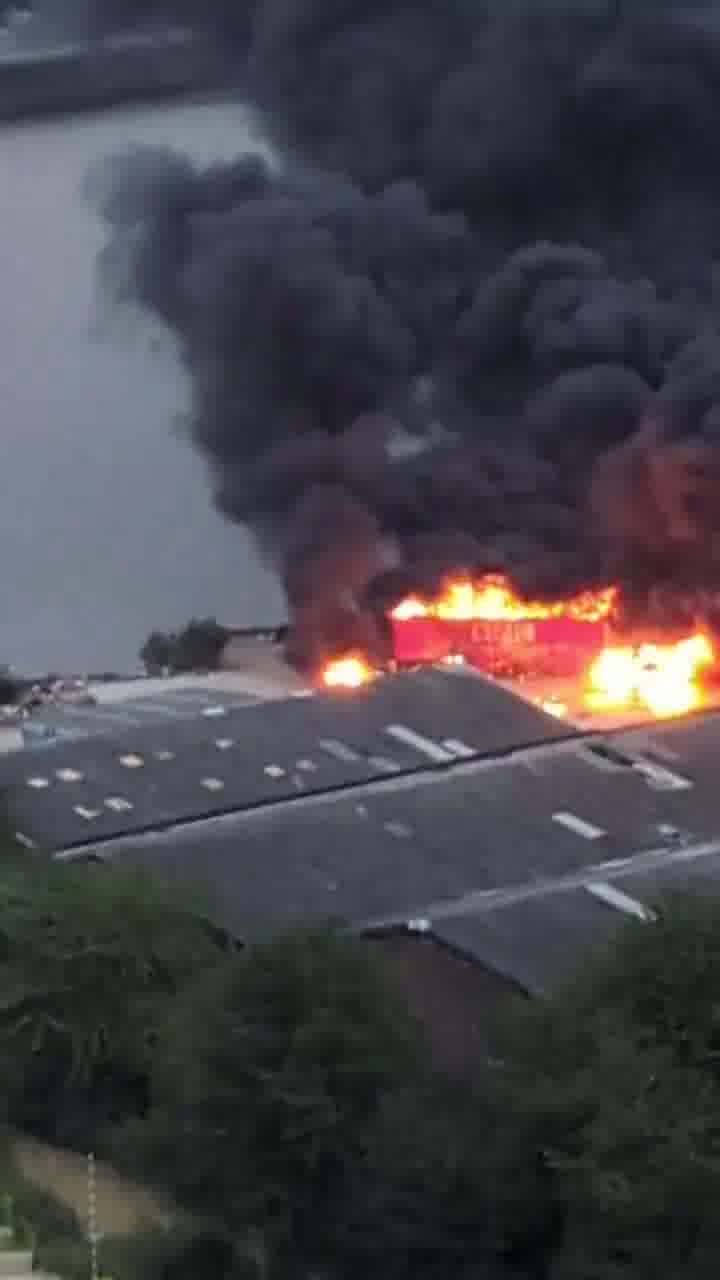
(435, 803)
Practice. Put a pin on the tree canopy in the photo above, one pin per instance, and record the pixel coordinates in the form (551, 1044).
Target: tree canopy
(283, 1093)
(615, 1084)
(273, 1073)
(89, 959)
(198, 646)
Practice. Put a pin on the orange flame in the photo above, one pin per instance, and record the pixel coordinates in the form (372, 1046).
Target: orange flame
(492, 599)
(349, 672)
(663, 679)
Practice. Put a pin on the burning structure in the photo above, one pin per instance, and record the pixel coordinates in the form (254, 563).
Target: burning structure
(582, 639)
(465, 324)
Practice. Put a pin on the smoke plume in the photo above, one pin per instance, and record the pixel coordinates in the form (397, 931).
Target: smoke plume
(470, 317)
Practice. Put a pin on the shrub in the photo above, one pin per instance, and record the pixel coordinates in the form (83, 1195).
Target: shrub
(90, 957)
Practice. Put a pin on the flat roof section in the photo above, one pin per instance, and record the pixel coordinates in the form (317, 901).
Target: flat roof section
(449, 846)
(229, 758)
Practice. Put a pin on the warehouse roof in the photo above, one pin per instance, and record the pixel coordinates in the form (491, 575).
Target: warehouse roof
(518, 860)
(492, 853)
(234, 759)
(538, 940)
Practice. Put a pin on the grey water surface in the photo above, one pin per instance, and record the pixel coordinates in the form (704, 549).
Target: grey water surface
(106, 521)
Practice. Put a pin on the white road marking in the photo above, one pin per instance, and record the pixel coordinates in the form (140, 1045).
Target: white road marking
(579, 826)
(613, 897)
(425, 746)
(87, 814)
(25, 840)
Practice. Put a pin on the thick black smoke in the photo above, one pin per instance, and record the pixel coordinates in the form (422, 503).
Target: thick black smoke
(471, 317)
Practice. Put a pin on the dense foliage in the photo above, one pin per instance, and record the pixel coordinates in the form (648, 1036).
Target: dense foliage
(284, 1097)
(89, 959)
(197, 647)
(284, 1054)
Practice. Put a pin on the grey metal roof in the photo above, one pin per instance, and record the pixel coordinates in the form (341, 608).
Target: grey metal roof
(231, 759)
(73, 722)
(519, 859)
(458, 845)
(540, 942)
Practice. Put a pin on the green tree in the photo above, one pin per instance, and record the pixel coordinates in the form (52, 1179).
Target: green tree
(424, 1201)
(274, 1071)
(199, 645)
(615, 1095)
(158, 652)
(89, 959)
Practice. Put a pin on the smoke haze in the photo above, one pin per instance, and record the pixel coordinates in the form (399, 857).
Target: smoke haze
(471, 316)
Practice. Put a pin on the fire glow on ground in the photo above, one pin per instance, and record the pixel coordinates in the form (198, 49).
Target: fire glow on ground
(571, 658)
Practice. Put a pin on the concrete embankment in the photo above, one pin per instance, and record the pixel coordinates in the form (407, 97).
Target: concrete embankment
(75, 79)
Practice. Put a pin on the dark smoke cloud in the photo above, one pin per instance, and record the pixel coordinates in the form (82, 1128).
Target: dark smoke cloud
(472, 316)
(229, 21)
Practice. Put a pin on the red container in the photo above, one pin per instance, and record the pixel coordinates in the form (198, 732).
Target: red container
(420, 640)
(546, 646)
(543, 646)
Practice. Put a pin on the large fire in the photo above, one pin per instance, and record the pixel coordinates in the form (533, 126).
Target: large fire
(348, 672)
(492, 599)
(664, 679)
(486, 623)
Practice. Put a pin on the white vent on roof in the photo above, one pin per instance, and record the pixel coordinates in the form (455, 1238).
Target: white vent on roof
(38, 783)
(223, 744)
(68, 775)
(132, 761)
(307, 766)
(164, 755)
(118, 804)
(213, 784)
(274, 771)
(400, 830)
(88, 814)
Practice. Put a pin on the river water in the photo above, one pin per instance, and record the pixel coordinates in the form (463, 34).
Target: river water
(106, 524)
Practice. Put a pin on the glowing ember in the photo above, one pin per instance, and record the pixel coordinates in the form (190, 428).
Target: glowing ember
(663, 679)
(350, 672)
(492, 599)
(553, 707)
